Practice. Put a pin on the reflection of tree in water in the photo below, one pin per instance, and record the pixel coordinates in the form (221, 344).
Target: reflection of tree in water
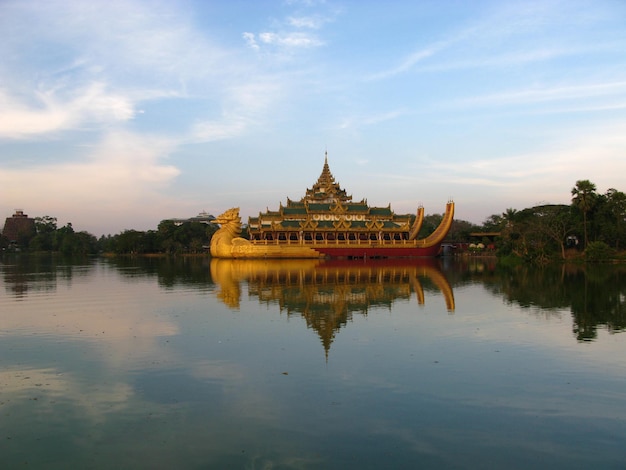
(328, 293)
(171, 271)
(598, 298)
(595, 294)
(25, 274)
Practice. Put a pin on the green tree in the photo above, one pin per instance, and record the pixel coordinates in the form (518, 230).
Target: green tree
(584, 197)
(460, 230)
(556, 222)
(45, 224)
(44, 240)
(188, 237)
(64, 238)
(84, 243)
(130, 241)
(616, 210)
(106, 244)
(430, 223)
(493, 223)
(538, 233)
(598, 251)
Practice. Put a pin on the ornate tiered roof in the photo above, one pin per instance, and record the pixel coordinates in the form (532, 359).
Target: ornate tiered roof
(327, 208)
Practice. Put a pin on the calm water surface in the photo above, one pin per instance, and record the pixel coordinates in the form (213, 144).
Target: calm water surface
(193, 363)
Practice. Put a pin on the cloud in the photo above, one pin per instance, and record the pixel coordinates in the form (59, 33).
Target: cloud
(289, 32)
(310, 22)
(594, 153)
(507, 35)
(122, 175)
(409, 62)
(243, 106)
(68, 63)
(511, 58)
(483, 186)
(209, 131)
(535, 95)
(369, 120)
(292, 40)
(83, 74)
(251, 41)
(54, 112)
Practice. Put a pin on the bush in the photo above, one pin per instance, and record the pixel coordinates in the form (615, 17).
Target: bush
(599, 251)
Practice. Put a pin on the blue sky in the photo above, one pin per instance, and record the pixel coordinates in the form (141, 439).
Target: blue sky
(118, 114)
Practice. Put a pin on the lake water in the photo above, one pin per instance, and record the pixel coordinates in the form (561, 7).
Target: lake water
(195, 363)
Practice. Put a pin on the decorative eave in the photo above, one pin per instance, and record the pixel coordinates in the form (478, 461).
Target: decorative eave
(341, 224)
(338, 208)
(309, 224)
(374, 224)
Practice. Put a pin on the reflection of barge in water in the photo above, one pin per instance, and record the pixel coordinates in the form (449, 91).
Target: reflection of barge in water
(326, 223)
(326, 293)
(370, 280)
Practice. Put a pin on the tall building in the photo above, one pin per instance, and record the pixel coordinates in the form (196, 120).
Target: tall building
(19, 227)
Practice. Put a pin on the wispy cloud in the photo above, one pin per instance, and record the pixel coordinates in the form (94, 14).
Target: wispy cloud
(109, 58)
(557, 93)
(371, 119)
(594, 153)
(310, 22)
(210, 131)
(511, 58)
(409, 62)
(291, 32)
(296, 39)
(285, 40)
(53, 112)
(251, 41)
(504, 36)
(424, 52)
(242, 106)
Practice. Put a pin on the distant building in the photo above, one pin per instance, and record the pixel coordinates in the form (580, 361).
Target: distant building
(202, 217)
(19, 227)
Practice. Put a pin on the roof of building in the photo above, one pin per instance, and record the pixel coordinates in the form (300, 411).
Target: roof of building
(327, 206)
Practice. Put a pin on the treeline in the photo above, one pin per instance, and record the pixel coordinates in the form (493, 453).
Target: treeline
(169, 238)
(48, 237)
(593, 226)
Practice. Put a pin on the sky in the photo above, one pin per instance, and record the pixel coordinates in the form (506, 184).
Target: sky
(115, 115)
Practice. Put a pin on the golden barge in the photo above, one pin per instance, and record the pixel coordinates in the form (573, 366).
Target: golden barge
(326, 223)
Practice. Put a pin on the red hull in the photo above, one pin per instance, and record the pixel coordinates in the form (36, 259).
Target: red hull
(378, 252)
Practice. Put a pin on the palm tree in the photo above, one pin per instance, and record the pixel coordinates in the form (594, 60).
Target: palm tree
(584, 197)
(509, 215)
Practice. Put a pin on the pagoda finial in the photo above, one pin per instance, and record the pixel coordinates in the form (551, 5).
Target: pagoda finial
(326, 189)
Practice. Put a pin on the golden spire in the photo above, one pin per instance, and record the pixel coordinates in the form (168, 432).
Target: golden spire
(326, 189)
